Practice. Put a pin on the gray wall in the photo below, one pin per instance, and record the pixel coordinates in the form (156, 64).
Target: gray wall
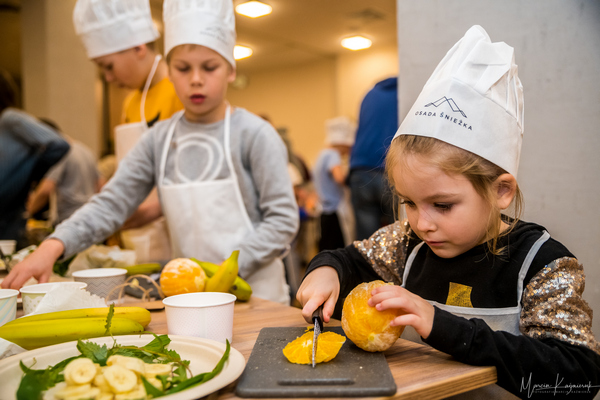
(557, 49)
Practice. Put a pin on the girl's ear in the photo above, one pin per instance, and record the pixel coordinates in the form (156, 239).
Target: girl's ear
(506, 188)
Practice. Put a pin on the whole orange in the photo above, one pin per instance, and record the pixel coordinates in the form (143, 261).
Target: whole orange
(182, 275)
(365, 326)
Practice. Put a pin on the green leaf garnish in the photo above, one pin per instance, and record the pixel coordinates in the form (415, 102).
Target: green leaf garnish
(109, 317)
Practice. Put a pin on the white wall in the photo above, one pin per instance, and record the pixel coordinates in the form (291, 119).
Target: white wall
(557, 49)
(59, 82)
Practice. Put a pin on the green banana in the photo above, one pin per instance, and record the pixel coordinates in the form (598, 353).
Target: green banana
(240, 288)
(139, 314)
(223, 279)
(34, 334)
(146, 269)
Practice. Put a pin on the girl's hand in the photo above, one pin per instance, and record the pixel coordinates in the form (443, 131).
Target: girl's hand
(38, 265)
(321, 286)
(417, 312)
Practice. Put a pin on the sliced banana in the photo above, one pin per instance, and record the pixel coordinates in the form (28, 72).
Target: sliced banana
(120, 379)
(77, 392)
(139, 393)
(151, 370)
(131, 363)
(79, 371)
(155, 382)
(105, 396)
(101, 383)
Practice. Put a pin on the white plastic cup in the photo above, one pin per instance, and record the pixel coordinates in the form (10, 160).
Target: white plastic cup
(100, 281)
(207, 315)
(33, 294)
(8, 305)
(8, 247)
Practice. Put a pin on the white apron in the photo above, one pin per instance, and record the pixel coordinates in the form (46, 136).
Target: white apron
(499, 319)
(207, 218)
(150, 242)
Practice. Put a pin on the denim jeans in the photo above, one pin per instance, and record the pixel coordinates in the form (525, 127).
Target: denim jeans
(372, 201)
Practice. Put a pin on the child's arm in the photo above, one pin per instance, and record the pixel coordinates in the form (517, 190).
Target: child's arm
(321, 286)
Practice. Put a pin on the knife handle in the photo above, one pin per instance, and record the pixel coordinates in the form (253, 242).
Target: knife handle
(317, 315)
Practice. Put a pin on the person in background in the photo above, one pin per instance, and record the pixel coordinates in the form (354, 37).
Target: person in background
(221, 172)
(73, 180)
(470, 281)
(372, 199)
(28, 149)
(119, 36)
(330, 174)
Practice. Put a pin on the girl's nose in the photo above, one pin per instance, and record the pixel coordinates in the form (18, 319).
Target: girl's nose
(424, 222)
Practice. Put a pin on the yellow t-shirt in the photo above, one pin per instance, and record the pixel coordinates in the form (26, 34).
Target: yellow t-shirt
(161, 103)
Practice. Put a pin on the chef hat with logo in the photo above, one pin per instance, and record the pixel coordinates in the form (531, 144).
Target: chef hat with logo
(110, 26)
(340, 131)
(473, 100)
(210, 23)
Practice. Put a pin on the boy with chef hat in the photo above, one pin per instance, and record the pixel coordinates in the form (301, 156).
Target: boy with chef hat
(330, 174)
(467, 278)
(119, 37)
(221, 171)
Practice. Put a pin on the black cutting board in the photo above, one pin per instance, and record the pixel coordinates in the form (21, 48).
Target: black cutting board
(352, 373)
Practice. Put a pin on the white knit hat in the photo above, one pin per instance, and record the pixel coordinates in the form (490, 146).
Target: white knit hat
(110, 26)
(340, 131)
(473, 100)
(209, 23)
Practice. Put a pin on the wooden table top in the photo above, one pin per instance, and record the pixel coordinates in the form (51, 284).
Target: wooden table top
(420, 371)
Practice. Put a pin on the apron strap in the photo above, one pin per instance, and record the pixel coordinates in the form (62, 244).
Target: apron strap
(165, 152)
(146, 87)
(527, 263)
(409, 262)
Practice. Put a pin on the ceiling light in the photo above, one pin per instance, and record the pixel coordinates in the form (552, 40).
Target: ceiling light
(253, 9)
(356, 43)
(241, 52)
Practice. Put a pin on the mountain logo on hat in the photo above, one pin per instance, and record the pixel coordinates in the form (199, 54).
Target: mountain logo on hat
(450, 102)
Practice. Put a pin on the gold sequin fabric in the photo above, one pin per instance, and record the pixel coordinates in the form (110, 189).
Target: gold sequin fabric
(553, 306)
(386, 251)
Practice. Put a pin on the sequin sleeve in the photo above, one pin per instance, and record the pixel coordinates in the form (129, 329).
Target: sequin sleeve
(553, 306)
(385, 251)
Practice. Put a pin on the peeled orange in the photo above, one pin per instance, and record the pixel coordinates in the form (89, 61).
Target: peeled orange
(365, 326)
(182, 275)
(299, 350)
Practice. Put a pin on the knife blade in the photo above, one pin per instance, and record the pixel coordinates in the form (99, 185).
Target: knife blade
(317, 318)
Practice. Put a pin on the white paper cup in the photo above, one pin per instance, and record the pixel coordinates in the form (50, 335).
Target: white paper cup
(33, 294)
(206, 315)
(100, 281)
(8, 305)
(8, 247)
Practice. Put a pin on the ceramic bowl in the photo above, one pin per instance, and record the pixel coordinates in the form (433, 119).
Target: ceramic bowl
(207, 315)
(100, 281)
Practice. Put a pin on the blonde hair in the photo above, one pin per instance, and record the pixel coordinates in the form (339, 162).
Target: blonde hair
(453, 160)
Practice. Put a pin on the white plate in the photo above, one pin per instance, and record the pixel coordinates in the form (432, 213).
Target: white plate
(202, 353)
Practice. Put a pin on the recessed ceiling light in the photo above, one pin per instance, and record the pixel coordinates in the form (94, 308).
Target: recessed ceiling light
(253, 9)
(241, 52)
(356, 43)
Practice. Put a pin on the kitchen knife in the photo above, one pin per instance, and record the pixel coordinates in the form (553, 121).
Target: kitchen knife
(317, 318)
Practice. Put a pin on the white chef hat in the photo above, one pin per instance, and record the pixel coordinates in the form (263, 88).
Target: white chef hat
(473, 100)
(109, 26)
(209, 23)
(340, 131)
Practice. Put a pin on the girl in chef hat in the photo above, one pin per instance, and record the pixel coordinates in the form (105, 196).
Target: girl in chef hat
(470, 281)
(221, 172)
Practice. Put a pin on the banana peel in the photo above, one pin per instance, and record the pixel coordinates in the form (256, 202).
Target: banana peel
(240, 288)
(34, 334)
(138, 314)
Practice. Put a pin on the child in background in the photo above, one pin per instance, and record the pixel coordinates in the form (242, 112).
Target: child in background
(481, 286)
(119, 36)
(330, 174)
(221, 172)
